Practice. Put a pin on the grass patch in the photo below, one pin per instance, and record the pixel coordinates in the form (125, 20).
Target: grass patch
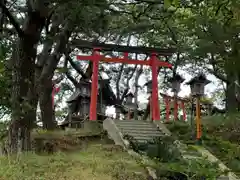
(97, 161)
(193, 169)
(220, 136)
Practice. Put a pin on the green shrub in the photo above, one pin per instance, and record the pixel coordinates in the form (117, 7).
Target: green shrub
(170, 164)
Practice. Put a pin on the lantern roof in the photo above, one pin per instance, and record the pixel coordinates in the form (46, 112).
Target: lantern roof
(129, 95)
(148, 83)
(201, 78)
(177, 78)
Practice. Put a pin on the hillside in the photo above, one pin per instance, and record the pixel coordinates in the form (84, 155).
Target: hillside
(89, 154)
(220, 137)
(75, 157)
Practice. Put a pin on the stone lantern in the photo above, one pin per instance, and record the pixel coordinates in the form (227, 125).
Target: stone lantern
(129, 98)
(197, 85)
(84, 88)
(149, 86)
(129, 103)
(176, 82)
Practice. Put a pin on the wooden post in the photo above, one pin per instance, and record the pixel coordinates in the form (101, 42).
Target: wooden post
(175, 107)
(167, 99)
(129, 113)
(155, 103)
(184, 111)
(94, 87)
(198, 119)
(151, 111)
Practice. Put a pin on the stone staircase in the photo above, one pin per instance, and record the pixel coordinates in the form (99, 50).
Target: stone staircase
(142, 131)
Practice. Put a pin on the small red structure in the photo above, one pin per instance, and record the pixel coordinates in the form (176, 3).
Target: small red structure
(54, 91)
(168, 99)
(153, 62)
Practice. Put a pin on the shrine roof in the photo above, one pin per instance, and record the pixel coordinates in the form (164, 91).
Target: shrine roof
(201, 78)
(177, 77)
(104, 89)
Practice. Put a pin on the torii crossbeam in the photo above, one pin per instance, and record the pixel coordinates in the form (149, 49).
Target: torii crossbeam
(153, 62)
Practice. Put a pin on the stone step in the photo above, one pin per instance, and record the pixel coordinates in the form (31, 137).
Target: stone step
(142, 141)
(136, 131)
(131, 122)
(143, 135)
(192, 153)
(137, 126)
(187, 156)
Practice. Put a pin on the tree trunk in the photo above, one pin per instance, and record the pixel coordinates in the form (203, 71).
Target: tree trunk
(231, 101)
(45, 80)
(46, 105)
(25, 141)
(22, 79)
(147, 111)
(13, 137)
(46, 94)
(136, 103)
(23, 62)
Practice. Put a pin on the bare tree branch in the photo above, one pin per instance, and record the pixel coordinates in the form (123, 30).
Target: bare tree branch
(217, 74)
(138, 74)
(72, 79)
(118, 81)
(120, 76)
(75, 66)
(215, 70)
(89, 70)
(128, 86)
(58, 80)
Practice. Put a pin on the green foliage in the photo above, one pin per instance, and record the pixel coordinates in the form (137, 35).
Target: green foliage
(222, 126)
(170, 163)
(226, 151)
(163, 149)
(182, 131)
(168, 3)
(4, 79)
(91, 16)
(190, 169)
(220, 137)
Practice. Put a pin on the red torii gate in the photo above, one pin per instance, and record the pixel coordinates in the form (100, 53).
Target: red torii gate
(153, 62)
